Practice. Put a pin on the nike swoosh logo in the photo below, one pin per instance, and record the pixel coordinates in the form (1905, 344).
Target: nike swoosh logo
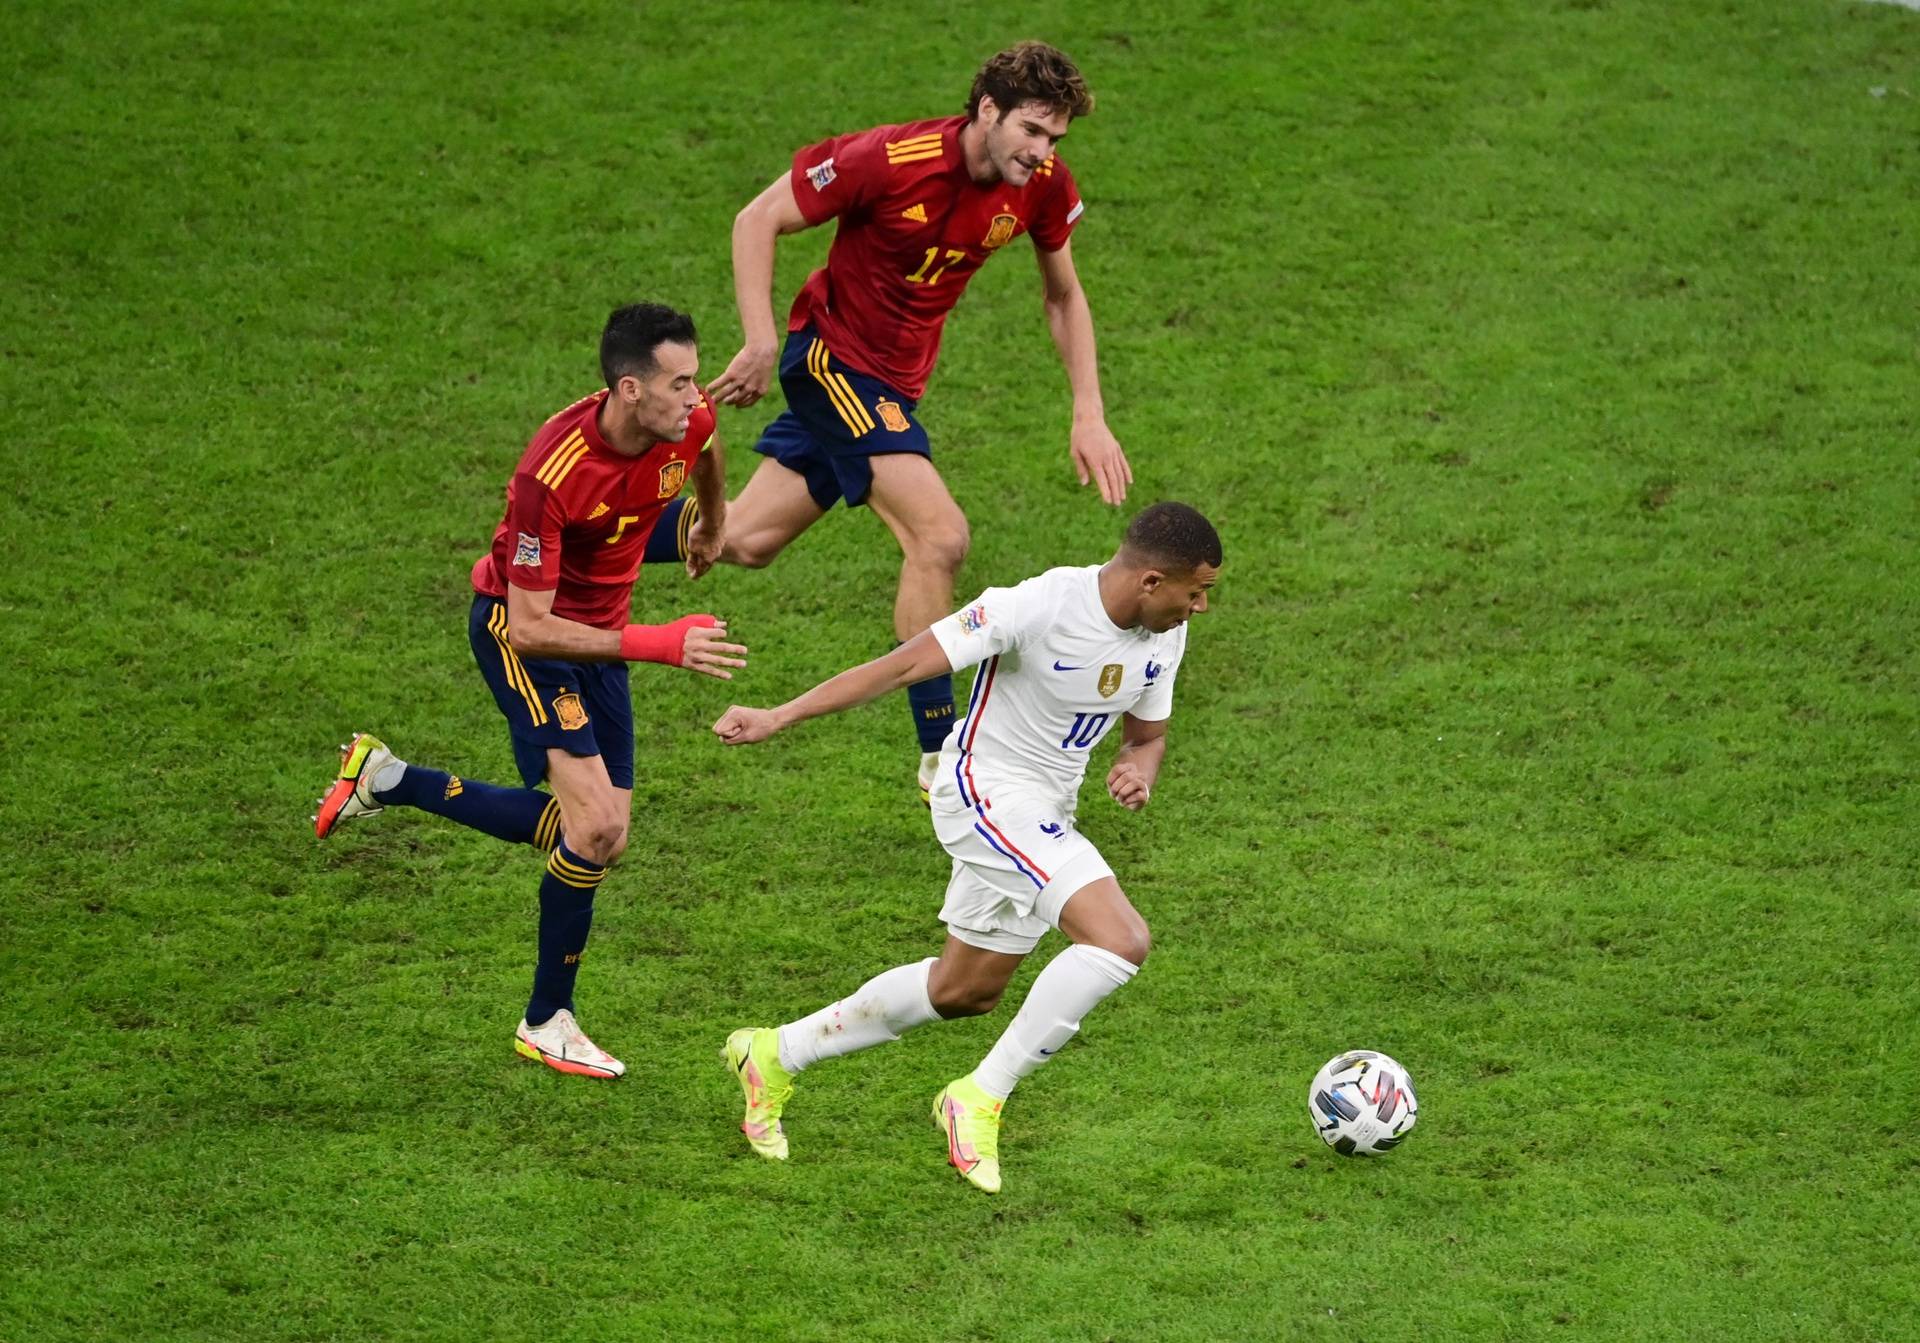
(1061, 666)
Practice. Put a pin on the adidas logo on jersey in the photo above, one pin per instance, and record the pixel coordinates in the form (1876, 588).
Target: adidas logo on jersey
(598, 510)
(916, 212)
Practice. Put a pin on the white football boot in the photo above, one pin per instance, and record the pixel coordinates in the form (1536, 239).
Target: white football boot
(562, 1045)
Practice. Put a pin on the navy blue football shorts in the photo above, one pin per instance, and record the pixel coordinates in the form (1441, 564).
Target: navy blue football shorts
(837, 419)
(584, 708)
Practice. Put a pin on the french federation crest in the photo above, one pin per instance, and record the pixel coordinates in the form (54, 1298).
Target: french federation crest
(527, 550)
(672, 476)
(571, 713)
(1153, 671)
(892, 416)
(973, 619)
(1000, 232)
(1110, 678)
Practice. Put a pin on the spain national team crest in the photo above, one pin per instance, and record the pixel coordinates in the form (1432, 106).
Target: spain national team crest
(892, 416)
(1001, 231)
(571, 713)
(672, 476)
(1110, 678)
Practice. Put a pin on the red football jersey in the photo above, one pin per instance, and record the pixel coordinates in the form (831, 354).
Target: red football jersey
(579, 513)
(913, 229)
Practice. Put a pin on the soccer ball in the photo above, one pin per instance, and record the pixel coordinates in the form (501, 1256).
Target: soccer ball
(1362, 1103)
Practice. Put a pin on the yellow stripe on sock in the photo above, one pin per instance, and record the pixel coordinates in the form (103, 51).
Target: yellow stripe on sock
(688, 516)
(582, 878)
(547, 830)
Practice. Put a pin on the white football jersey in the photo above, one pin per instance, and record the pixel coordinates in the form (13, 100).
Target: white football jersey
(1055, 674)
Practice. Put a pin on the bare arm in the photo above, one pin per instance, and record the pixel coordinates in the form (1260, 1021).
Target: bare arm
(915, 660)
(710, 493)
(534, 631)
(1143, 745)
(755, 230)
(1097, 454)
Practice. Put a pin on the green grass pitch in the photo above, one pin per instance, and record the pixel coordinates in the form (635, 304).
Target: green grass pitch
(1550, 369)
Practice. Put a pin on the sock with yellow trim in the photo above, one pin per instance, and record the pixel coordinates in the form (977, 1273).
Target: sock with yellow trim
(667, 543)
(517, 815)
(932, 704)
(566, 917)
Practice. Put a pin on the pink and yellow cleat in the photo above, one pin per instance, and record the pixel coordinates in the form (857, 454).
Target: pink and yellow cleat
(753, 1052)
(971, 1120)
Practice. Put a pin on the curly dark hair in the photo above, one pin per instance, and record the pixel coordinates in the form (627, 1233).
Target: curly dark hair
(1173, 536)
(1030, 72)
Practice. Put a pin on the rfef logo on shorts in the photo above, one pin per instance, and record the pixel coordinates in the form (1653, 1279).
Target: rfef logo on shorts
(527, 550)
(1110, 677)
(570, 712)
(821, 174)
(672, 476)
(892, 416)
(973, 619)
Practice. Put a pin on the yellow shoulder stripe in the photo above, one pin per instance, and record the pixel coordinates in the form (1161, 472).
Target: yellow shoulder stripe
(554, 470)
(914, 141)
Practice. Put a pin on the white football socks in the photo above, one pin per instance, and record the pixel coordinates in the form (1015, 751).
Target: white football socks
(882, 1009)
(1066, 990)
(387, 777)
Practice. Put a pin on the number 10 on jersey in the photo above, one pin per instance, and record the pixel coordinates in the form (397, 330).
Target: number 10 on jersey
(1084, 732)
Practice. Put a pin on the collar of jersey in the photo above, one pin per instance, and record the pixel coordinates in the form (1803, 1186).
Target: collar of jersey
(590, 424)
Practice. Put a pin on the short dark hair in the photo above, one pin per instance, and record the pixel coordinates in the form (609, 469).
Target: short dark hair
(1031, 72)
(634, 333)
(1173, 536)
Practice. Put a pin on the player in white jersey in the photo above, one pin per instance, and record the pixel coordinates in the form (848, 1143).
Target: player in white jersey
(1062, 658)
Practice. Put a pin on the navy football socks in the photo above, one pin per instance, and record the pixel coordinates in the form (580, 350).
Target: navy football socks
(932, 704)
(566, 917)
(517, 815)
(667, 544)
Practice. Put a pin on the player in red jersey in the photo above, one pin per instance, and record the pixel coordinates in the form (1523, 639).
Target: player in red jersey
(921, 207)
(549, 629)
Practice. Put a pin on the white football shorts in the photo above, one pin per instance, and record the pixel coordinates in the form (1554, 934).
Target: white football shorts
(1016, 861)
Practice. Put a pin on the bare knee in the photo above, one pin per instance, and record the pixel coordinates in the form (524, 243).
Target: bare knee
(943, 547)
(1131, 941)
(751, 552)
(961, 998)
(965, 1001)
(600, 841)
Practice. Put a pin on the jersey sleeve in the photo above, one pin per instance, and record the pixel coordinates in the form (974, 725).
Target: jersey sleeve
(840, 174)
(989, 624)
(1059, 212)
(535, 517)
(1157, 704)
